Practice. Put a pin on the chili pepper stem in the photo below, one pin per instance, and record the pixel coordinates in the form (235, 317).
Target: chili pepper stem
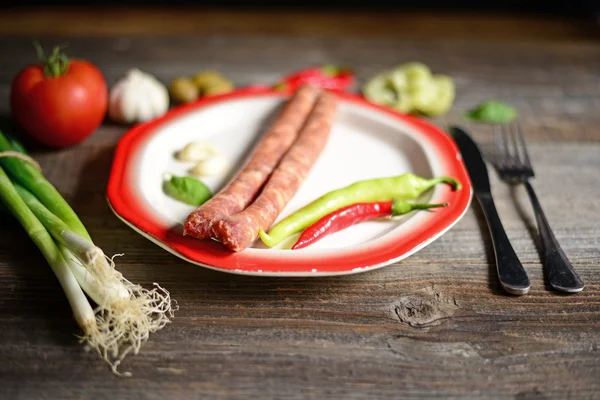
(420, 206)
(456, 185)
(402, 207)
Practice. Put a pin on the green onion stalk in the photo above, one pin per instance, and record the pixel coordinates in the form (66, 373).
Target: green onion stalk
(82, 310)
(125, 313)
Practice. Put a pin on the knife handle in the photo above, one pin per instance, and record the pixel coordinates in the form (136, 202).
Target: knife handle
(511, 273)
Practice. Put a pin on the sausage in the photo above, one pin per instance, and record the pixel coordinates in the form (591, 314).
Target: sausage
(237, 232)
(242, 189)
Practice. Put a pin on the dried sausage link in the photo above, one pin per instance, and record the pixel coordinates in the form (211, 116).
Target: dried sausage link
(237, 232)
(241, 190)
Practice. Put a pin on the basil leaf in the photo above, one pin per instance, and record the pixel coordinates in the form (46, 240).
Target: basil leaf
(493, 112)
(187, 190)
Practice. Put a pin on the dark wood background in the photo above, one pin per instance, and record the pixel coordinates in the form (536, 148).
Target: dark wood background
(548, 7)
(436, 325)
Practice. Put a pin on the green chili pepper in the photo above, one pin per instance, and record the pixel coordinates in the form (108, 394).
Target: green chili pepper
(401, 187)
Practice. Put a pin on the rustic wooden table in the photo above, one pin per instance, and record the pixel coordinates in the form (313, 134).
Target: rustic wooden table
(436, 325)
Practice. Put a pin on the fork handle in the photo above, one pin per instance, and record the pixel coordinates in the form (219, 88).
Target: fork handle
(559, 271)
(511, 273)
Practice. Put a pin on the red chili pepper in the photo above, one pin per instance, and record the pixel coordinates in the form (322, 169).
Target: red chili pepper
(353, 214)
(327, 77)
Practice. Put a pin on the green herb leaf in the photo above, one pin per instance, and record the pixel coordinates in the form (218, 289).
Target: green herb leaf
(187, 190)
(493, 112)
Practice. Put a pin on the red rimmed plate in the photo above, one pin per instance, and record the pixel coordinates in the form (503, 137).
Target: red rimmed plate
(367, 141)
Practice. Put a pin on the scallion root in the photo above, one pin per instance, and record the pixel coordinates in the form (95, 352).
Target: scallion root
(126, 314)
(124, 325)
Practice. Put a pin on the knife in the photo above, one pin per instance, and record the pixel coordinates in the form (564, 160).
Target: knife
(511, 273)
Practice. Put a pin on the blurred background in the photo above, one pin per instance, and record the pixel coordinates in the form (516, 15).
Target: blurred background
(573, 7)
(499, 19)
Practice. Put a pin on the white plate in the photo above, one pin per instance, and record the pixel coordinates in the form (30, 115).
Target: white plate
(366, 142)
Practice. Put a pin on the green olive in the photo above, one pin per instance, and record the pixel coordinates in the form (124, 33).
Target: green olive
(183, 90)
(205, 79)
(216, 88)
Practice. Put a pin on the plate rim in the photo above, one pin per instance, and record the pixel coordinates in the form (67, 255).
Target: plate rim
(121, 198)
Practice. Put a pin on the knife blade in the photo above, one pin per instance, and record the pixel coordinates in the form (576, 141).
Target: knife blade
(511, 273)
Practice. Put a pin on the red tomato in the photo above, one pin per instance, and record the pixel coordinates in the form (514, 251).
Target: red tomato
(59, 111)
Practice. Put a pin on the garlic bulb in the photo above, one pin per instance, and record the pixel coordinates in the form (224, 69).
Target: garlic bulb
(138, 97)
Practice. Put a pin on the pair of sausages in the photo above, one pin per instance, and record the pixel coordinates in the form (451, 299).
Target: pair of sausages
(279, 165)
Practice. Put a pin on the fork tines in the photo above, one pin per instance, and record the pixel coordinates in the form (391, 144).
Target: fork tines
(511, 158)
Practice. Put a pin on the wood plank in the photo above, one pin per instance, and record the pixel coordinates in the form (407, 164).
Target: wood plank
(554, 86)
(77, 21)
(435, 325)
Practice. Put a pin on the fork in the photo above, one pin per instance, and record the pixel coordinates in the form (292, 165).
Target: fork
(513, 164)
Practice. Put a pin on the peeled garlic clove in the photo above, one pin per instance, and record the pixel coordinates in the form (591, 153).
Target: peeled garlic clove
(196, 151)
(210, 167)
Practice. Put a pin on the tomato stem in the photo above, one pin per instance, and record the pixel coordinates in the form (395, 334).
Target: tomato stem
(55, 65)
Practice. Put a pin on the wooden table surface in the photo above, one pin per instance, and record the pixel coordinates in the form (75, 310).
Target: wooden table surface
(436, 325)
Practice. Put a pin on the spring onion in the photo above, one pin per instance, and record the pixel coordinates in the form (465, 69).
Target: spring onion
(125, 313)
(82, 311)
(88, 258)
(31, 178)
